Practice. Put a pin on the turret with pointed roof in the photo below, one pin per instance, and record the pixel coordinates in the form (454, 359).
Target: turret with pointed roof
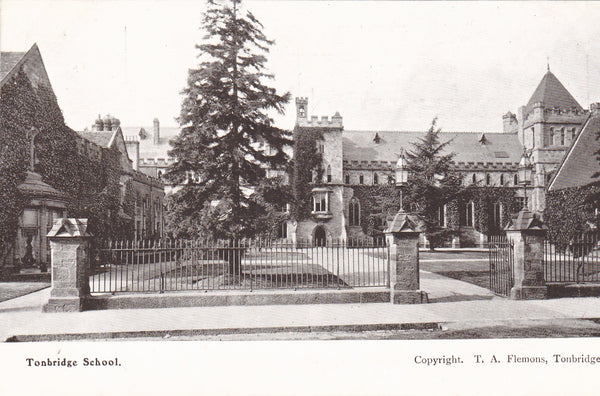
(553, 95)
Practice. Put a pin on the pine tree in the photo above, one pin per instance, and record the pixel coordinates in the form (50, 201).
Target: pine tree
(432, 182)
(227, 138)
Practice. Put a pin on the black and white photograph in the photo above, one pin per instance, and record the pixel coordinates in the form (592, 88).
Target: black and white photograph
(260, 197)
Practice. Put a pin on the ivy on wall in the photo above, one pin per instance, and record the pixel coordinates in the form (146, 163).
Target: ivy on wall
(484, 199)
(381, 201)
(307, 161)
(376, 204)
(93, 187)
(571, 211)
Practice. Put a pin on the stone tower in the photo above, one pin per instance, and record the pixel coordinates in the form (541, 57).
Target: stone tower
(546, 126)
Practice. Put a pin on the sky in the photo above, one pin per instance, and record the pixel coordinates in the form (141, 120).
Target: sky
(382, 65)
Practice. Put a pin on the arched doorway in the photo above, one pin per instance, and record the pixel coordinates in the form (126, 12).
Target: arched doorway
(320, 236)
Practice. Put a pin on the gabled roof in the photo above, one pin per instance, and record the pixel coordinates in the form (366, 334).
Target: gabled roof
(580, 164)
(10, 62)
(553, 94)
(101, 138)
(467, 146)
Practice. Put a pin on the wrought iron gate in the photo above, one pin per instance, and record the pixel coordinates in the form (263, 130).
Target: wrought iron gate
(501, 264)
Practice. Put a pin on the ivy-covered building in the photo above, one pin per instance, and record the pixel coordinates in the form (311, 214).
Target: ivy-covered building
(86, 175)
(352, 189)
(573, 198)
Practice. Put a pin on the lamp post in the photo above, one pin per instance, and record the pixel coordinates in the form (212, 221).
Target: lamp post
(401, 175)
(524, 175)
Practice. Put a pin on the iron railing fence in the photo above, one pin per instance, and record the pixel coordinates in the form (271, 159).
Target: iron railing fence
(574, 261)
(501, 264)
(172, 265)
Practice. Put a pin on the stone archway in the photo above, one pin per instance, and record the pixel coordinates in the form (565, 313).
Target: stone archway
(320, 236)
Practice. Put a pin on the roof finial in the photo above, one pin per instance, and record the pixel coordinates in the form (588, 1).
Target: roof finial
(548, 62)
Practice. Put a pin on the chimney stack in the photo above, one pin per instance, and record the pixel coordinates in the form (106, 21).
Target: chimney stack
(156, 131)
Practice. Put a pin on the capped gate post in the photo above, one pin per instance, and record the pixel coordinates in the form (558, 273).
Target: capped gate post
(402, 236)
(527, 232)
(69, 243)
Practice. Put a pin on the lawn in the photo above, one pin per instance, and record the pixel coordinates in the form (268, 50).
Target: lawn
(10, 290)
(471, 267)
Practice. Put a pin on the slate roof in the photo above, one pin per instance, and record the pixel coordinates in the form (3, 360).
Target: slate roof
(580, 164)
(147, 147)
(553, 94)
(8, 60)
(467, 146)
(101, 138)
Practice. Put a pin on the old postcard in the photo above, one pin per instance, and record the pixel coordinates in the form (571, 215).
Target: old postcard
(299, 197)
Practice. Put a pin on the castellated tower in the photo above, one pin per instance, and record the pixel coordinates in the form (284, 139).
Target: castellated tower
(547, 126)
(331, 147)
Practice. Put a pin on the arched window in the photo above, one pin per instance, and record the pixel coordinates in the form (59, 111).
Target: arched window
(501, 180)
(282, 230)
(354, 212)
(488, 180)
(375, 178)
(562, 136)
(361, 179)
(328, 173)
(442, 215)
(474, 179)
(347, 179)
(497, 214)
(469, 214)
(550, 140)
(515, 180)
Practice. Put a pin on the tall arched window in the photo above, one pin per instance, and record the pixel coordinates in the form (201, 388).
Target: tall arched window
(501, 180)
(474, 179)
(488, 179)
(469, 215)
(375, 178)
(497, 214)
(515, 180)
(354, 212)
(347, 179)
(550, 140)
(361, 179)
(562, 136)
(328, 173)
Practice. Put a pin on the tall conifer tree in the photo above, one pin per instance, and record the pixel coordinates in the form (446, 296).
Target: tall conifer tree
(227, 138)
(433, 182)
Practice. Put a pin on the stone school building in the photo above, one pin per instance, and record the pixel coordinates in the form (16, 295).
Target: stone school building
(355, 162)
(64, 172)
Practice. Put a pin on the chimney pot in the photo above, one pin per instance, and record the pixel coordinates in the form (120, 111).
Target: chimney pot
(156, 131)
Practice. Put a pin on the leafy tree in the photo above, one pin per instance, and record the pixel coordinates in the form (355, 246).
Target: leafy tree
(228, 138)
(432, 182)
